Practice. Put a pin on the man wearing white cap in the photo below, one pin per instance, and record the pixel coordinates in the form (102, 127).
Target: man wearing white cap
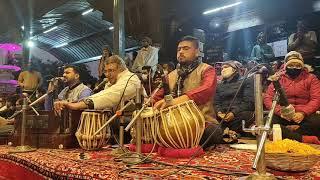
(303, 93)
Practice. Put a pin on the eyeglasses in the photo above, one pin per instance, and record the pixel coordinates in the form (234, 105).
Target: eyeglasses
(110, 70)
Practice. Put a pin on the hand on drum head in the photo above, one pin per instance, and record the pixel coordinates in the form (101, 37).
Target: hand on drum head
(162, 104)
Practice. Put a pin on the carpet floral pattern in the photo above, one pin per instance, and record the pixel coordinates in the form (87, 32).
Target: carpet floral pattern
(220, 163)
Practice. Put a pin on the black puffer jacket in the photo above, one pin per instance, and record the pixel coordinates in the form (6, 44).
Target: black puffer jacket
(226, 91)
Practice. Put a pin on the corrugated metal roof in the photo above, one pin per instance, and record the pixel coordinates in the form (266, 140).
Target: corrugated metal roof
(83, 36)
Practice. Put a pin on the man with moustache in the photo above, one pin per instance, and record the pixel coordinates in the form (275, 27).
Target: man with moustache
(147, 56)
(198, 83)
(75, 90)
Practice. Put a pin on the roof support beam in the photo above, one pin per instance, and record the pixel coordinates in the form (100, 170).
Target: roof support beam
(119, 31)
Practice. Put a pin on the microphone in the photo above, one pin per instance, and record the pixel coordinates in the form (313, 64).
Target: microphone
(56, 79)
(263, 70)
(139, 97)
(179, 72)
(164, 82)
(178, 67)
(283, 100)
(102, 83)
(61, 67)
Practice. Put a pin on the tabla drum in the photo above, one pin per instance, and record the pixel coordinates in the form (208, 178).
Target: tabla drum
(180, 126)
(90, 122)
(148, 116)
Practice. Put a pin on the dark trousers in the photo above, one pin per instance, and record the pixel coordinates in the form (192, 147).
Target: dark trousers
(236, 123)
(309, 126)
(115, 127)
(216, 138)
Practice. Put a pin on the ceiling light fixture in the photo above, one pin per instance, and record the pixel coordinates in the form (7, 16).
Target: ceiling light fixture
(111, 28)
(61, 45)
(87, 12)
(221, 8)
(30, 44)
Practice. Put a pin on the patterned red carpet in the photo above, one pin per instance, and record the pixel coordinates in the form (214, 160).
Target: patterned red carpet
(221, 163)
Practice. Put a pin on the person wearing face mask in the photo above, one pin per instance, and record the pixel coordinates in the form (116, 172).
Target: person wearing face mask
(147, 79)
(303, 93)
(262, 52)
(198, 82)
(147, 56)
(242, 107)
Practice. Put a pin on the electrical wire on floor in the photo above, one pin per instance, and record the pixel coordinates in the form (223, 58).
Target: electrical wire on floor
(186, 165)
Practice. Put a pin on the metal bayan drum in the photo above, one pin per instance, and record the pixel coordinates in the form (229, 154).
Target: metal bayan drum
(148, 116)
(90, 122)
(181, 126)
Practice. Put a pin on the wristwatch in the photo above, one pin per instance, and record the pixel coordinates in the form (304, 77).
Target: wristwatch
(168, 98)
(89, 103)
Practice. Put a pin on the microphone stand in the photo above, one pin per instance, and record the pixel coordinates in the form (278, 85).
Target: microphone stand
(145, 104)
(118, 113)
(261, 130)
(24, 148)
(40, 99)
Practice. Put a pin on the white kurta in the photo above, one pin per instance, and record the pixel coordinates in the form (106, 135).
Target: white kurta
(110, 97)
(146, 57)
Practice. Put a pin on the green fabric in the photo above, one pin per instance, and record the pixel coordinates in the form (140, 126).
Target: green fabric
(6, 130)
(262, 53)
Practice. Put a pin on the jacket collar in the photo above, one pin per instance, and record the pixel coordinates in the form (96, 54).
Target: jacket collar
(123, 73)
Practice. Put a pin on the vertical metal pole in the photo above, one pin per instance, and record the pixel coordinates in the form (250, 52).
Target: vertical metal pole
(121, 129)
(139, 120)
(119, 31)
(138, 135)
(261, 166)
(24, 119)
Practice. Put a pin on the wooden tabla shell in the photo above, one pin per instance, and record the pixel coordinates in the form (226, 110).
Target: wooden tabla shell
(148, 117)
(180, 126)
(89, 123)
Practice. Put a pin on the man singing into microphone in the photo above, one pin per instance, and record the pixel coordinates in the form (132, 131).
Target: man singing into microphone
(198, 82)
(75, 90)
(300, 120)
